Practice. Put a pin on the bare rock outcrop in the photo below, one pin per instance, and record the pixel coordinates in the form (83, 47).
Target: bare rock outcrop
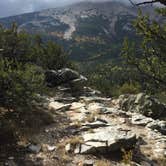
(143, 104)
(106, 139)
(64, 76)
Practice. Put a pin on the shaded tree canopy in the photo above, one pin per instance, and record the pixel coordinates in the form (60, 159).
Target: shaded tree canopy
(23, 59)
(149, 55)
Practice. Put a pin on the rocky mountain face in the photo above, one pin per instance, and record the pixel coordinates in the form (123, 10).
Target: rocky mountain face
(90, 130)
(89, 31)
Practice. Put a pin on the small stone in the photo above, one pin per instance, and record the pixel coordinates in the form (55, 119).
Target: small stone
(88, 163)
(34, 148)
(11, 158)
(51, 148)
(46, 130)
(68, 147)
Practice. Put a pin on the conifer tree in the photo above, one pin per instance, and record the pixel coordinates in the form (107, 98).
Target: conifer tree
(149, 55)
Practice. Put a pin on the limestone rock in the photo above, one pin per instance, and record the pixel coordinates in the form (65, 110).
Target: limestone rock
(160, 149)
(51, 148)
(95, 99)
(77, 105)
(158, 125)
(58, 106)
(96, 107)
(106, 139)
(138, 119)
(112, 110)
(95, 124)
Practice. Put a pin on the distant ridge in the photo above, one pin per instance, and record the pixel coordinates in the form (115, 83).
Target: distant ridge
(89, 31)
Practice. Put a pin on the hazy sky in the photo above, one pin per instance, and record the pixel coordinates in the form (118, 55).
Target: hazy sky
(13, 7)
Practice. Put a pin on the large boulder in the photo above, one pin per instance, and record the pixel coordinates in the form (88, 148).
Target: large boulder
(106, 139)
(65, 76)
(144, 104)
(78, 83)
(54, 78)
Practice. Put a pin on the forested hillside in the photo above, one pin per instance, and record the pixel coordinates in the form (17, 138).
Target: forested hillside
(89, 31)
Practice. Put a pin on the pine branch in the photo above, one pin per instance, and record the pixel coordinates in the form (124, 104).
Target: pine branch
(148, 2)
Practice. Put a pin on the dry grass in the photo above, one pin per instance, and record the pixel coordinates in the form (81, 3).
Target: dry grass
(62, 153)
(162, 162)
(64, 156)
(73, 141)
(103, 163)
(127, 156)
(77, 123)
(91, 117)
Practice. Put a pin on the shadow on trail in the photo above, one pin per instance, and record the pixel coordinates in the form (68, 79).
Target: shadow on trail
(20, 126)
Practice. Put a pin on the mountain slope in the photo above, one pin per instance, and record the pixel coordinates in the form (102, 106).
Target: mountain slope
(89, 31)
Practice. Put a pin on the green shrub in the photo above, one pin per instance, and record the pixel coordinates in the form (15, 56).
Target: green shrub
(130, 88)
(23, 59)
(19, 85)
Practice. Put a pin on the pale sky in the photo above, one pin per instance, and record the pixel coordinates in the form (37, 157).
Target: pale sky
(14, 7)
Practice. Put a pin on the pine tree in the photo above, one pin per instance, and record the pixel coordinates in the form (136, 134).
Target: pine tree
(23, 59)
(149, 55)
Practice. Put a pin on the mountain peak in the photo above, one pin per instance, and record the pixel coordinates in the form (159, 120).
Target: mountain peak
(81, 27)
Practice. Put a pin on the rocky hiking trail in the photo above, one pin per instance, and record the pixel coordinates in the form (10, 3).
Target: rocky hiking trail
(90, 130)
